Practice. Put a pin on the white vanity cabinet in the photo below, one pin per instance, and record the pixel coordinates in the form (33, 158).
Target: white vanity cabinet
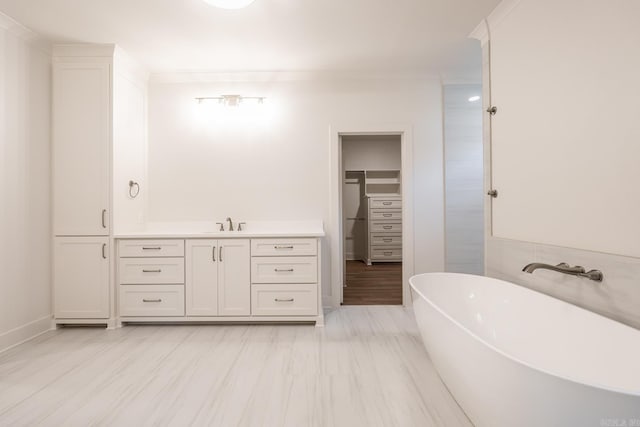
(81, 275)
(218, 277)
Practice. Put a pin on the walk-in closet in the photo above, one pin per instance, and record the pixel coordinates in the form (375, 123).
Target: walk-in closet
(372, 217)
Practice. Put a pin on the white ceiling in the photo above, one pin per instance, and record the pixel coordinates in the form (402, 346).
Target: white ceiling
(418, 36)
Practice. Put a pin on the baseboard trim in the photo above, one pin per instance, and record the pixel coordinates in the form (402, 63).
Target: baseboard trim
(24, 333)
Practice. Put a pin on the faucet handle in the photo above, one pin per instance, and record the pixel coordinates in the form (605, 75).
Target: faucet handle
(221, 224)
(240, 224)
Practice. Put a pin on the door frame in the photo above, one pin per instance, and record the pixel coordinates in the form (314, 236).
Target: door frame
(337, 232)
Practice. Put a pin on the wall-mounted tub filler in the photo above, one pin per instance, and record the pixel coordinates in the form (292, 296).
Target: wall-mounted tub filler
(563, 267)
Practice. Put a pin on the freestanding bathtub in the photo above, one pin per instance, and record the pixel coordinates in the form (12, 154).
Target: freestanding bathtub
(515, 357)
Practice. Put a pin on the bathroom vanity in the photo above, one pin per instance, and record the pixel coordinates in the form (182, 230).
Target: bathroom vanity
(219, 277)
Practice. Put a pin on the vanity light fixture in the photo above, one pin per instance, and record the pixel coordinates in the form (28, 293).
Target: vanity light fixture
(231, 100)
(229, 4)
(474, 98)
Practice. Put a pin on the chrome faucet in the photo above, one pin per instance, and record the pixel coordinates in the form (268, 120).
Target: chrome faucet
(230, 223)
(563, 267)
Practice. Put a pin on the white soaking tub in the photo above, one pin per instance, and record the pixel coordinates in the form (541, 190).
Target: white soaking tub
(515, 357)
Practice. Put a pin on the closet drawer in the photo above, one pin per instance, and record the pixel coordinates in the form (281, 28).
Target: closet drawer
(386, 240)
(133, 271)
(386, 204)
(395, 214)
(284, 270)
(150, 300)
(377, 226)
(381, 254)
(284, 300)
(151, 248)
(283, 247)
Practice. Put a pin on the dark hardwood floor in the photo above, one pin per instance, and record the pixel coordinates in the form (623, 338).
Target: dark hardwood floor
(378, 284)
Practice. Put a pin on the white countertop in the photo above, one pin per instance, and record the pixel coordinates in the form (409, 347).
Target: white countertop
(199, 229)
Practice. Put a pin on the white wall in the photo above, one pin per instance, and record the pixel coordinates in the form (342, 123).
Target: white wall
(464, 197)
(573, 155)
(206, 164)
(371, 152)
(25, 229)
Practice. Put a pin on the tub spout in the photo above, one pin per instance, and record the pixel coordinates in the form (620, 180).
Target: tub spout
(563, 267)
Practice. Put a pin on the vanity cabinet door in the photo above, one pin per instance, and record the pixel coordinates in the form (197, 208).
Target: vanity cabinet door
(201, 286)
(234, 277)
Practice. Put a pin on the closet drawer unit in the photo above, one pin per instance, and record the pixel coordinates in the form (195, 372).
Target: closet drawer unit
(382, 254)
(385, 204)
(390, 214)
(382, 226)
(152, 271)
(283, 247)
(150, 248)
(284, 270)
(386, 240)
(150, 300)
(284, 300)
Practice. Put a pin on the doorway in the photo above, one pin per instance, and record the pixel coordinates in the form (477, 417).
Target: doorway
(371, 179)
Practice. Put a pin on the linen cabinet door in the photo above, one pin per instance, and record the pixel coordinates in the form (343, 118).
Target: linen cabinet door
(201, 285)
(81, 148)
(81, 278)
(234, 277)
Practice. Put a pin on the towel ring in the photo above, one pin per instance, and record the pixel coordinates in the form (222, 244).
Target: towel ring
(133, 193)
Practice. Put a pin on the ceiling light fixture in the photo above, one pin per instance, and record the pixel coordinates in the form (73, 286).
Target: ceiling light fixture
(229, 4)
(474, 98)
(231, 100)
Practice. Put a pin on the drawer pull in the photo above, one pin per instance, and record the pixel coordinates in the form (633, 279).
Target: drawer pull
(283, 247)
(284, 300)
(152, 271)
(387, 227)
(155, 248)
(152, 300)
(388, 253)
(387, 240)
(386, 215)
(282, 270)
(386, 203)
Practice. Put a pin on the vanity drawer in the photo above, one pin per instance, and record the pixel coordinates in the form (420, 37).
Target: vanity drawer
(284, 270)
(386, 254)
(151, 300)
(386, 239)
(151, 248)
(386, 204)
(151, 271)
(283, 247)
(284, 300)
(377, 226)
(392, 214)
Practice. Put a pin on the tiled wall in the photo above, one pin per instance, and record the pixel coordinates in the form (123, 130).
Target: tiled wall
(463, 179)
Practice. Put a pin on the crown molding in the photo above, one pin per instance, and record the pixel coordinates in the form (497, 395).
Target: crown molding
(483, 31)
(25, 34)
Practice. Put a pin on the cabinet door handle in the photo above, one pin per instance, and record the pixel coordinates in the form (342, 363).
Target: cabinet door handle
(283, 270)
(387, 240)
(387, 227)
(213, 254)
(104, 221)
(152, 271)
(284, 300)
(104, 251)
(388, 253)
(283, 247)
(220, 254)
(386, 215)
(152, 300)
(155, 248)
(386, 203)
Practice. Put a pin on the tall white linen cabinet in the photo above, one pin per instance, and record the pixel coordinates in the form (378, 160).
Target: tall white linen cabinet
(99, 145)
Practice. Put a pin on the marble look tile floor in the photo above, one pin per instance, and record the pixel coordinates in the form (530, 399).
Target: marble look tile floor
(366, 367)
